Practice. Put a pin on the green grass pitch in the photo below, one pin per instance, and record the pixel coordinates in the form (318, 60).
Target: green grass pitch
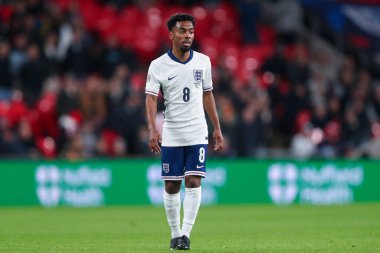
(235, 228)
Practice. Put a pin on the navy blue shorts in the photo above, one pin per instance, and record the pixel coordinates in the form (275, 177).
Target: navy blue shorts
(178, 162)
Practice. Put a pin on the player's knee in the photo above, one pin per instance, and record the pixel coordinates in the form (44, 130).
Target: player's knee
(172, 187)
(192, 181)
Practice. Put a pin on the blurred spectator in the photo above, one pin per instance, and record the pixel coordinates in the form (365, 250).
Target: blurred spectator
(224, 80)
(51, 52)
(118, 87)
(343, 86)
(77, 56)
(318, 88)
(298, 69)
(354, 128)
(15, 136)
(25, 134)
(68, 109)
(364, 85)
(228, 122)
(120, 121)
(143, 138)
(252, 121)
(5, 71)
(35, 7)
(302, 146)
(276, 63)
(96, 57)
(372, 147)
(297, 100)
(33, 74)
(64, 30)
(17, 18)
(68, 96)
(111, 144)
(93, 100)
(334, 109)
(75, 148)
(113, 56)
(323, 65)
(288, 19)
(375, 102)
(18, 55)
(319, 116)
(31, 29)
(249, 16)
(331, 145)
(10, 143)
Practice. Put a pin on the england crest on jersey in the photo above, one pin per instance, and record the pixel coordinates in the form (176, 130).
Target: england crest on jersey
(198, 75)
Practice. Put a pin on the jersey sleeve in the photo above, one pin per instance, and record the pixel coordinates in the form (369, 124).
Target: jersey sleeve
(207, 81)
(152, 86)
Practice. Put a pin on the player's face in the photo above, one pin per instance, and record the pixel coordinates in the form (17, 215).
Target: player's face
(182, 35)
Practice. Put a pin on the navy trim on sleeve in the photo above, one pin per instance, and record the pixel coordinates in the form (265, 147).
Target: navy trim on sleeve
(151, 92)
(208, 89)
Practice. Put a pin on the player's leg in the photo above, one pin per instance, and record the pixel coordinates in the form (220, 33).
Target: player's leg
(172, 203)
(195, 162)
(191, 203)
(172, 173)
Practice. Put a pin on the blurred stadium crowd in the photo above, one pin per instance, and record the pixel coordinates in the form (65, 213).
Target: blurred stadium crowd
(72, 79)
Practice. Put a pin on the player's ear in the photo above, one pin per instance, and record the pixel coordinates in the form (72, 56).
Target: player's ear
(171, 35)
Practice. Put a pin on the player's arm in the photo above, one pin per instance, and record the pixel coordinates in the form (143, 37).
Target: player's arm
(210, 108)
(151, 112)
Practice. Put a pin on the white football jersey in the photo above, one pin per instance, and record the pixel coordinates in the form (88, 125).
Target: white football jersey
(182, 85)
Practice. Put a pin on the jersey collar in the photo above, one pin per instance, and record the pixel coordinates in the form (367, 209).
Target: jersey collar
(172, 56)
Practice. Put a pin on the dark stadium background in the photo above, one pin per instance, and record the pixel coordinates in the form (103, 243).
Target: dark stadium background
(291, 78)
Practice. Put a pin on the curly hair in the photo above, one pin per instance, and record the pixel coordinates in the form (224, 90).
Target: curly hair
(179, 17)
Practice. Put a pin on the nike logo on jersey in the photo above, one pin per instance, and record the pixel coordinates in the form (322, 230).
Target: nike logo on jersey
(200, 166)
(170, 78)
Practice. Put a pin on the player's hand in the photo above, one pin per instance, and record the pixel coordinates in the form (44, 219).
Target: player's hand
(218, 140)
(154, 141)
